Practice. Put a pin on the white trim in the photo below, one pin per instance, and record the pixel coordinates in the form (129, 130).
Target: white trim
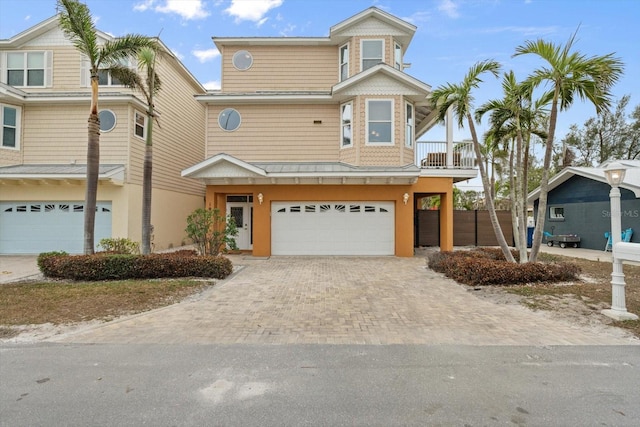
(385, 143)
(195, 170)
(47, 60)
(233, 60)
(362, 58)
(135, 124)
(115, 120)
(395, 46)
(18, 126)
(409, 143)
(342, 126)
(340, 63)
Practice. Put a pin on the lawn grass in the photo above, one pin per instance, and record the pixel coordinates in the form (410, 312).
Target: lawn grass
(61, 302)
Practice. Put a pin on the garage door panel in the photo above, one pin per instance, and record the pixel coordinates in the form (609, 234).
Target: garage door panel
(336, 228)
(35, 227)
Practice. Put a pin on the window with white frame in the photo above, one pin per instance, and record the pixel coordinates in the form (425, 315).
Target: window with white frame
(372, 53)
(409, 125)
(556, 212)
(140, 125)
(397, 56)
(346, 115)
(10, 119)
(104, 77)
(379, 121)
(27, 69)
(344, 62)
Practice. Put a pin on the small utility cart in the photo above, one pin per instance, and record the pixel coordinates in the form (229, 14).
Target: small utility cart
(563, 240)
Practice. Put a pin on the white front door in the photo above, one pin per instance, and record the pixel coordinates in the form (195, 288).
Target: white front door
(242, 213)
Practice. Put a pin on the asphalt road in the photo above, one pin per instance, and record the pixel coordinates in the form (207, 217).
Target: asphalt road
(318, 385)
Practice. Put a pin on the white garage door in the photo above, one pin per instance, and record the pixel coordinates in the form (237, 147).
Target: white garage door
(332, 228)
(34, 227)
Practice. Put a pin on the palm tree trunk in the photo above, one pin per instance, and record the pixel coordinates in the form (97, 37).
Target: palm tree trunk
(93, 169)
(544, 183)
(146, 197)
(488, 197)
(513, 194)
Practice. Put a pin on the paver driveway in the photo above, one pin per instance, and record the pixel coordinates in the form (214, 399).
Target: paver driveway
(381, 300)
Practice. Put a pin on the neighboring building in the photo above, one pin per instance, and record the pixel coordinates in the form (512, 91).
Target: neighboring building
(578, 203)
(44, 106)
(311, 143)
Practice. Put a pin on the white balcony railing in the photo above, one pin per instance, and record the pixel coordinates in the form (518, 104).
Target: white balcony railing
(433, 155)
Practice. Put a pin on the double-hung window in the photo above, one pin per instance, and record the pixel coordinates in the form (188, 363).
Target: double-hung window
(344, 62)
(140, 125)
(380, 121)
(409, 125)
(397, 56)
(372, 53)
(10, 120)
(346, 116)
(27, 69)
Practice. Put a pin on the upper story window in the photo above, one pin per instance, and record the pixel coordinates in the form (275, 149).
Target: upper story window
(379, 121)
(346, 114)
(140, 125)
(556, 212)
(104, 77)
(409, 125)
(10, 119)
(397, 56)
(27, 69)
(107, 120)
(229, 119)
(242, 60)
(372, 53)
(344, 62)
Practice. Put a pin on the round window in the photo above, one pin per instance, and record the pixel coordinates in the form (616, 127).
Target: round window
(229, 119)
(107, 120)
(242, 60)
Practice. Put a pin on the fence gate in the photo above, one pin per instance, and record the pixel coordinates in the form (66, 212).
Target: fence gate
(470, 228)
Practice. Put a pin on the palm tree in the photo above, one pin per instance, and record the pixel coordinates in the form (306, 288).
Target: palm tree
(459, 98)
(149, 85)
(569, 74)
(514, 118)
(77, 24)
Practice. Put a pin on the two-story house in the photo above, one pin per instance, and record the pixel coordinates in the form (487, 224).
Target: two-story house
(311, 142)
(44, 105)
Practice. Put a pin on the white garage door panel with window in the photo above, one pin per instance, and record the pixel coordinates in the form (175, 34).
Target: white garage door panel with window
(35, 227)
(332, 228)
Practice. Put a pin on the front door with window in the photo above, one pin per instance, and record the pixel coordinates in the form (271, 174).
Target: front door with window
(242, 213)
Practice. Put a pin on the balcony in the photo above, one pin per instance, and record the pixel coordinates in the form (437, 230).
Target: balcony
(435, 159)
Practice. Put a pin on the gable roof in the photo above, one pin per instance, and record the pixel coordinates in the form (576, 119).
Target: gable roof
(631, 181)
(357, 25)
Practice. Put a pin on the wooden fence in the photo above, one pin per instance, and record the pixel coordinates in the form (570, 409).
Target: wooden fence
(470, 228)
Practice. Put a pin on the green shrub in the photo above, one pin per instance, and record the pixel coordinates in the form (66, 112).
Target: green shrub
(44, 255)
(119, 266)
(119, 245)
(488, 267)
(211, 232)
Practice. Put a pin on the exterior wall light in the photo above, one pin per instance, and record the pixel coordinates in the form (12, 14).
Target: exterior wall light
(405, 198)
(260, 198)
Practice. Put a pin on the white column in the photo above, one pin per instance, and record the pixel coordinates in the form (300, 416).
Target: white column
(449, 124)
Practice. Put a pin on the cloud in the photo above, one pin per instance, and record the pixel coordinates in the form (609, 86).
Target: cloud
(449, 8)
(525, 31)
(251, 10)
(206, 55)
(417, 17)
(212, 85)
(286, 31)
(187, 9)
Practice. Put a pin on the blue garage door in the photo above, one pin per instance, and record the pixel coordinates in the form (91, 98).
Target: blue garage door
(34, 227)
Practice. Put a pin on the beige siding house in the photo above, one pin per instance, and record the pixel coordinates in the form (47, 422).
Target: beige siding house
(44, 106)
(312, 143)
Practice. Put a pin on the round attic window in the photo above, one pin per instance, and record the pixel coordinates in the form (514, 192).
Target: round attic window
(242, 60)
(107, 120)
(229, 119)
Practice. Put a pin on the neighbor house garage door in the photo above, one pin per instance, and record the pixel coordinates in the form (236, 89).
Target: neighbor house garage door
(34, 227)
(332, 228)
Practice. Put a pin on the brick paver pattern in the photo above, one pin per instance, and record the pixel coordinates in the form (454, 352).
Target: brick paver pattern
(343, 300)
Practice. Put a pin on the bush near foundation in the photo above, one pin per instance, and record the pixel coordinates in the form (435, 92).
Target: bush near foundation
(120, 267)
(487, 266)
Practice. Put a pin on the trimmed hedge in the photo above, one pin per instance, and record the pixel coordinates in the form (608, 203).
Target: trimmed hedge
(487, 266)
(120, 267)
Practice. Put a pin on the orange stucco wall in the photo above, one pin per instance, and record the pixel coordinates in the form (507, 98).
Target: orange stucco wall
(404, 213)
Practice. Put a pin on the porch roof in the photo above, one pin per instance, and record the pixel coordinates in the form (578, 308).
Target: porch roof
(49, 172)
(224, 169)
